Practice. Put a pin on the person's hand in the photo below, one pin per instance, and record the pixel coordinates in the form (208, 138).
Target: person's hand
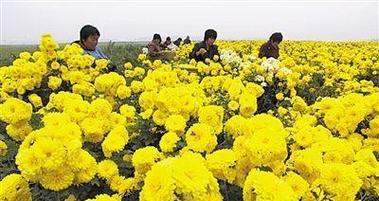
(201, 51)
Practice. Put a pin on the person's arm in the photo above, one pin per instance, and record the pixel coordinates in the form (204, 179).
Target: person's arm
(101, 53)
(262, 51)
(216, 51)
(275, 53)
(153, 51)
(195, 49)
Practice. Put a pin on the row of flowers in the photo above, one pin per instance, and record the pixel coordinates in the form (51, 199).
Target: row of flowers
(304, 127)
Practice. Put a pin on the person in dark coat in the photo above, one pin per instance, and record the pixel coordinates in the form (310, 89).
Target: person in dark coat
(178, 42)
(206, 48)
(271, 47)
(187, 40)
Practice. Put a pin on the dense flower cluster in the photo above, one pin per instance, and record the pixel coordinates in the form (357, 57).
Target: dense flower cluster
(53, 155)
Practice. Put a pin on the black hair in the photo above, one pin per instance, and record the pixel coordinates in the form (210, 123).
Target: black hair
(210, 33)
(168, 38)
(157, 36)
(276, 37)
(87, 31)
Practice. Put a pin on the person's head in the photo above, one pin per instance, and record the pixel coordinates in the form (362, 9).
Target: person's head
(210, 36)
(276, 38)
(89, 36)
(168, 38)
(187, 37)
(157, 38)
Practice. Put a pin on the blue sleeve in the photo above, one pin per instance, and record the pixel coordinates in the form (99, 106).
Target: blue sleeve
(101, 54)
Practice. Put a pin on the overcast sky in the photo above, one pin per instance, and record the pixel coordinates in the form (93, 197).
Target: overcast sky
(22, 22)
